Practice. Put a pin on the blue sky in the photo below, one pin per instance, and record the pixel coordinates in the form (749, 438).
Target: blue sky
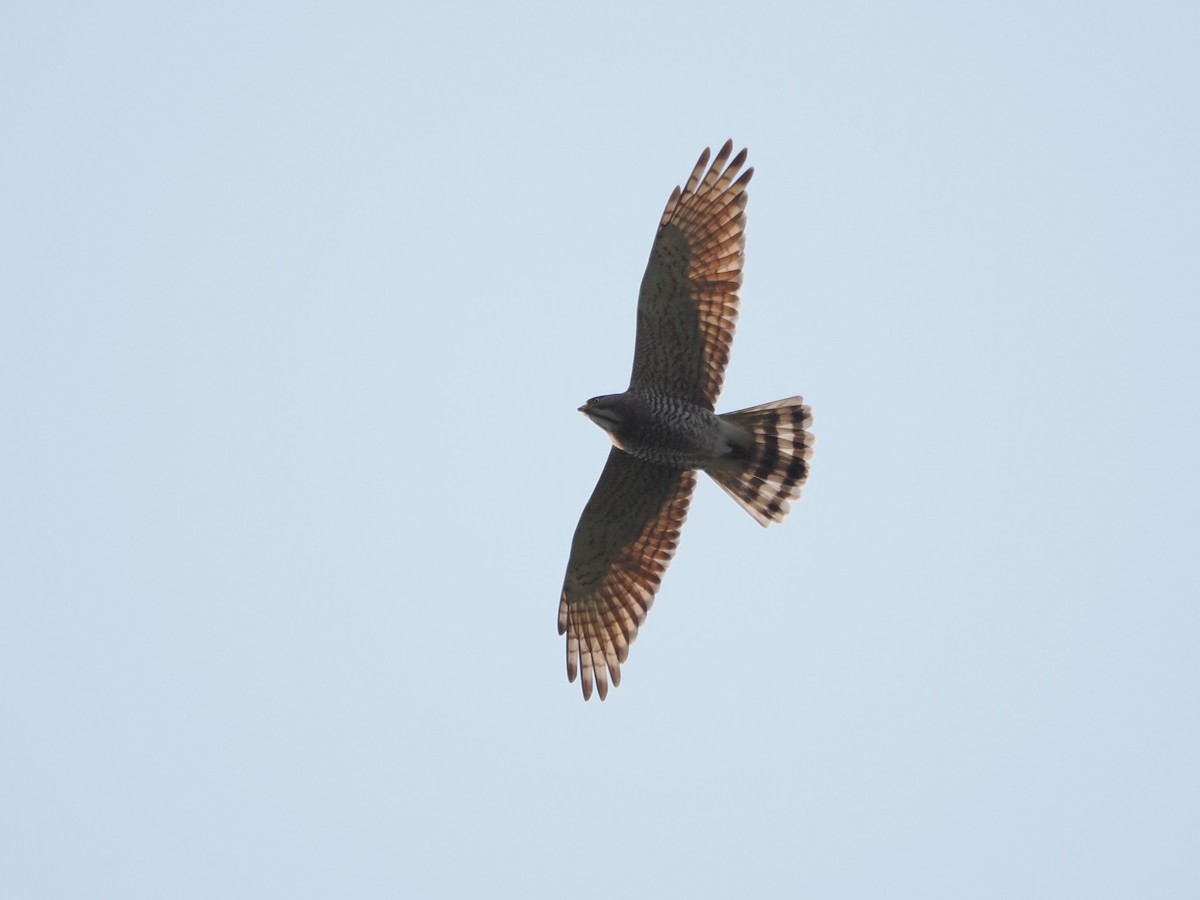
(296, 308)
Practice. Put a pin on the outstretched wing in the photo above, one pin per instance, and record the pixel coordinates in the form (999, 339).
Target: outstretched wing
(625, 539)
(688, 305)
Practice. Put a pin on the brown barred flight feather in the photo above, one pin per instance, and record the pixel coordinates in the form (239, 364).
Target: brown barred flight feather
(688, 305)
(626, 537)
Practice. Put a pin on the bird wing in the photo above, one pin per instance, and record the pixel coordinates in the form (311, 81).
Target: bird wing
(688, 305)
(625, 539)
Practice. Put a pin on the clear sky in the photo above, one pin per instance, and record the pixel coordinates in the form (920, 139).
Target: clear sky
(297, 303)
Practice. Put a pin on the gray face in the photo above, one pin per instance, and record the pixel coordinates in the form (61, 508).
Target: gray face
(605, 412)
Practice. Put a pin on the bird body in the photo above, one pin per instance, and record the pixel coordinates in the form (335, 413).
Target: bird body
(664, 426)
(665, 430)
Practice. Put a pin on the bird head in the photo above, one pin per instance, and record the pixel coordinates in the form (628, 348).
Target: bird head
(605, 411)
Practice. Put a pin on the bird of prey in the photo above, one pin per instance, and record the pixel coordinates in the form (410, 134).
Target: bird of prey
(664, 426)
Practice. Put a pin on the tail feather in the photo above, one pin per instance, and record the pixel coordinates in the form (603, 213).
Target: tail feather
(765, 474)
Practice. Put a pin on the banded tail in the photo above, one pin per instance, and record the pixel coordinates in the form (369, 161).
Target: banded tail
(766, 475)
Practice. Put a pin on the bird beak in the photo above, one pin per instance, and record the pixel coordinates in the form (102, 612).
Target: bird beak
(584, 409)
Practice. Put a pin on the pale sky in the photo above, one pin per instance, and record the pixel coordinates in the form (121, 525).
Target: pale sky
(296, 308)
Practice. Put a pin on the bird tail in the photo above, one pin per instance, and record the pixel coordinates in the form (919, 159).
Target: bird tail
(769, 460)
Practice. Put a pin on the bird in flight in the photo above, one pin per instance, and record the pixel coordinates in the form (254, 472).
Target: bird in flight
(664, 426)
